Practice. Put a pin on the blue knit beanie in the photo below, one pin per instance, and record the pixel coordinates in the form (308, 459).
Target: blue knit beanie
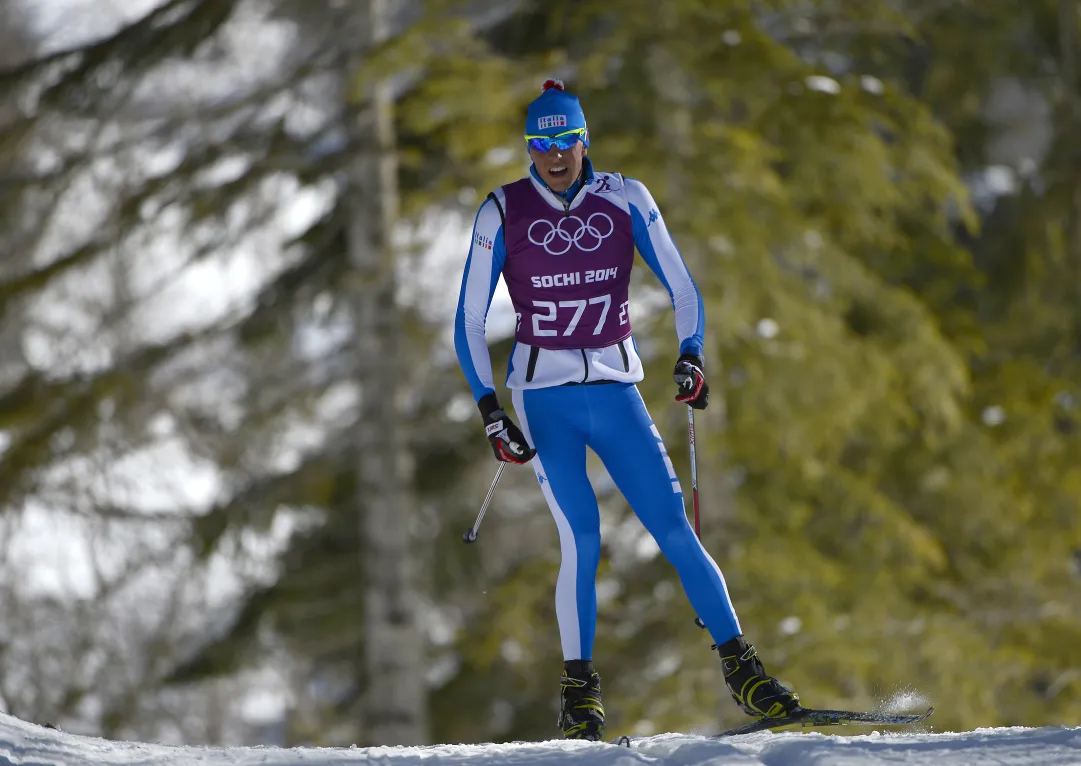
(554, 111)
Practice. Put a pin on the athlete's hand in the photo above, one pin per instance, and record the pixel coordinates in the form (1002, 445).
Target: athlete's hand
(693, 389)
(507, 440)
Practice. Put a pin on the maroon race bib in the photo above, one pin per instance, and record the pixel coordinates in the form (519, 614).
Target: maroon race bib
(568, 274)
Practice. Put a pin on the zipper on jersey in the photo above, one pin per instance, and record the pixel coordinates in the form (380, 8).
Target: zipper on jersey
(585, 365)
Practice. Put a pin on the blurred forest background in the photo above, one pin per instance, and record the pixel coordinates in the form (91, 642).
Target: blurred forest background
(238, 454)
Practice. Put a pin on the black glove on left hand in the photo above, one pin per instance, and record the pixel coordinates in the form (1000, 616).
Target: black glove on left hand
(507, 440)
(693, 389)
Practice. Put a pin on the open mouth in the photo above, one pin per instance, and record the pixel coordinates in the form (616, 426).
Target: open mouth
(558, 172)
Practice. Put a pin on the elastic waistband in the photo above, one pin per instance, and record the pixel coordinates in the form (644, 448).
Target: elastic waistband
(588, 382)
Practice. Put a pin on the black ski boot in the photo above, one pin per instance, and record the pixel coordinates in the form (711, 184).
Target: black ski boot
(581, 714)
(756, 693)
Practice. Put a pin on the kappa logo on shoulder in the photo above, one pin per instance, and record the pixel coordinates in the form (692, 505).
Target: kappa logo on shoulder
(605, 182)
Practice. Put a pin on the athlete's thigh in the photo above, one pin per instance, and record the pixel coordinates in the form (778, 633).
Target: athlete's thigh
(551, 420)
(630, 446)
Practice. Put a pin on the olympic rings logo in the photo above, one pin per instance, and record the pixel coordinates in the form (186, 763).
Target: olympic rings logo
(582, 234)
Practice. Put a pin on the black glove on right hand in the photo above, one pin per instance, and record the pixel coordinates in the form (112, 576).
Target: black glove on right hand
(693, 389)
(507, 440)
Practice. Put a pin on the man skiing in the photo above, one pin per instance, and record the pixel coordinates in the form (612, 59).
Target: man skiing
(563, 238)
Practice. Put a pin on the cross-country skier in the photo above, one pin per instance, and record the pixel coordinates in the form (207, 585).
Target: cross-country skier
(563, 239)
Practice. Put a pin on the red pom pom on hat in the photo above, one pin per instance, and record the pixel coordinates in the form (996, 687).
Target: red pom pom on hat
(549, 84)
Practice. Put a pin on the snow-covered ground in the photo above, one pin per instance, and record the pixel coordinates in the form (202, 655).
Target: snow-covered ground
(24, 744)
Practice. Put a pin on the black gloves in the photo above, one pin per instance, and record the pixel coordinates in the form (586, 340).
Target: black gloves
(507, 440)
(693, 389)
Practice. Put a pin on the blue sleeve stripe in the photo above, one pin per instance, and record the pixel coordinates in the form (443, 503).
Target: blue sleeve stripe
(470, 343)
(645, 247)
(461, 343)
(686, 295)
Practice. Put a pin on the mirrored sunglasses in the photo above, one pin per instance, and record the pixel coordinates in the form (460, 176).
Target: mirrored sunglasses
(562, 141)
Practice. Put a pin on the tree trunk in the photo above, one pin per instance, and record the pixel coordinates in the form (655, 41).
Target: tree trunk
(395, 710)
(1068, 55)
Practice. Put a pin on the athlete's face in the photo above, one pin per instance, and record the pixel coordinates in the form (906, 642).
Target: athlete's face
(559, 168)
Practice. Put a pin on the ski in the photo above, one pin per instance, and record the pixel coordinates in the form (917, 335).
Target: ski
(808, 717)
(805, 717)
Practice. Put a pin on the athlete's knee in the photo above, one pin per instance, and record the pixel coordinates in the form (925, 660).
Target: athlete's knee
(589, 548)
(583, 544)
(675, 538)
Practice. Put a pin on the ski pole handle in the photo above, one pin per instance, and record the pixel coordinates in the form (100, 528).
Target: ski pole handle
(470, 535)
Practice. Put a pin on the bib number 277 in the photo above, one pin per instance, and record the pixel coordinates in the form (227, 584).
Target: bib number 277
(551, 310)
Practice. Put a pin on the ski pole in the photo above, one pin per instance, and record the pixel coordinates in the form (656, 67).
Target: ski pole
(694, 487)
(694, 472)
(470, 535)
